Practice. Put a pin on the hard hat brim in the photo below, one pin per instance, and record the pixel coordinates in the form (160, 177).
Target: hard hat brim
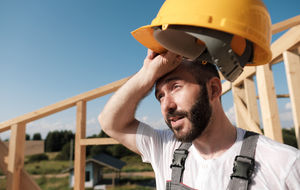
(144, 35)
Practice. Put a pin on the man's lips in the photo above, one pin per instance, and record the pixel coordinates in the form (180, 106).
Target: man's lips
(175, 118)
(175, 121)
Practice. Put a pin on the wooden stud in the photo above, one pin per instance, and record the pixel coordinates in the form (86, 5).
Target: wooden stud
(240, 122)
(27, 183)
(80, 150)
(15, 156)
(292, 68)
(248, 122)
(268, 103)
(250, 98)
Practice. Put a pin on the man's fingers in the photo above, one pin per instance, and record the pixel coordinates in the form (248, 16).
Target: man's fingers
(151, 54)
(173, 58)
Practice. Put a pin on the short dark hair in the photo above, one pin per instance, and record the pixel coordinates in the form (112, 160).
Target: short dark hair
(202, 70)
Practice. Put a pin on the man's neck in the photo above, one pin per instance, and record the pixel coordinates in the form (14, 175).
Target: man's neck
(218, 137)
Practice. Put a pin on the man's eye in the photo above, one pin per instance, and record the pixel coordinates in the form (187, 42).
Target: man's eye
(159, 97)
(176, 86)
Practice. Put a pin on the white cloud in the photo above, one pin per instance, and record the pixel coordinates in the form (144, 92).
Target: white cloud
(288, 106)
(44, 127)
(92, 121)
(286, 116)
(231, 115)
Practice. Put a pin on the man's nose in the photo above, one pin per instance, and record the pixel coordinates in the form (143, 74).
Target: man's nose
(168, 104)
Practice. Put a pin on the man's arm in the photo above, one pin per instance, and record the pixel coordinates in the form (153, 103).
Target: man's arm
(118, 116)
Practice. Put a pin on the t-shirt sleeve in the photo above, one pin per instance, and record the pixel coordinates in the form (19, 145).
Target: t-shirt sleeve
(148, 142)
(292, 181)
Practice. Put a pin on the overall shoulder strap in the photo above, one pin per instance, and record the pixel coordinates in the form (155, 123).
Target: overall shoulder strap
(244, 163)
(178, 162)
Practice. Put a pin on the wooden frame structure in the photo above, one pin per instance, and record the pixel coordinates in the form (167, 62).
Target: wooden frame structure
(286, 49)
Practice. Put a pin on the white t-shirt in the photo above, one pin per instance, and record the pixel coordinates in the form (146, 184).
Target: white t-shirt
(277, 165)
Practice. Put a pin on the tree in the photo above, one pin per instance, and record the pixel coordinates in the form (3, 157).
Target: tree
(37, 137)
(55, 140)
(289, 137)
(64, 154)
(27, 137)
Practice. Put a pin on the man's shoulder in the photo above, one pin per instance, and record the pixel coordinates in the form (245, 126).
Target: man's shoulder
(275, 154)
(270, 145)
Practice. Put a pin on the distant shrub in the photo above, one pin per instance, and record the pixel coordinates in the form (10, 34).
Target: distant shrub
(38, 157)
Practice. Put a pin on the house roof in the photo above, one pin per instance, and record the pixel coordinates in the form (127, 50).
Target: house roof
(104, 160)
(108, 161)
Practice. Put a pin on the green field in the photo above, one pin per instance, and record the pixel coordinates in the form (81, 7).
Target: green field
(48, 174)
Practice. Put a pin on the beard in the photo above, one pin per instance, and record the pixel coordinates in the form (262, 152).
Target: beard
(199, 115)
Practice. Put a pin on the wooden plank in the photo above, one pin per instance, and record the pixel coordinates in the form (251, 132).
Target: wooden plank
(98, 141)
(226, 87)
(3, 157)
(15, 156)
(248, 122)
(268, 103)
(249, 71)
(27, 183)
(80, 150)
(286, 24)
(292, 67)
(62, 105)
(250, 99)
(240, 122)
(288, 41)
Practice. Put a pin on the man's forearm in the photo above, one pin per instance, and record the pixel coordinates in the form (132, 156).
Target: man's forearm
(120, 110)
(118, 116)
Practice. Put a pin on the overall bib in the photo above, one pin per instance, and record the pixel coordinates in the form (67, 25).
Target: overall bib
(242, 169)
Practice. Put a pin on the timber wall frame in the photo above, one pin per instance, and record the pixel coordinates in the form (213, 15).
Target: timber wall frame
(285, 49)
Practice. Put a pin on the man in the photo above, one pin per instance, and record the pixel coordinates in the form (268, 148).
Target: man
(189, 94)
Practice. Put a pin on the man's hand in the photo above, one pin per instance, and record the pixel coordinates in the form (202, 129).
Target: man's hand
(157, 65)
(118, 116)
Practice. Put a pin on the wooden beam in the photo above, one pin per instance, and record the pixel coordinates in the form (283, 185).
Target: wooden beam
(15, 156)
(292, 68)
(250, 98)
(248, 122)
(268, 103)
(226, 87)
(27, 183)
(80, 150)
(288, 41)
(240, 122)
(249, 71)
(98, 141)
(286, 24)
(62, 105)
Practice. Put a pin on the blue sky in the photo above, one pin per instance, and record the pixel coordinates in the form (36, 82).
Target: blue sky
(54, 49)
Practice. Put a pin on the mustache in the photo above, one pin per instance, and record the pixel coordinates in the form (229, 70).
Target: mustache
(176, 114)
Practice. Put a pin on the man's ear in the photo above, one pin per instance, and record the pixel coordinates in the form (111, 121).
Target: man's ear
(215, 88)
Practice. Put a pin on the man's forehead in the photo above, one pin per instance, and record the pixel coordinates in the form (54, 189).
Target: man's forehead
(173, 75)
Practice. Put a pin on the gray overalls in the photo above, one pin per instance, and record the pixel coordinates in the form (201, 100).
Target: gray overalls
(242, 169)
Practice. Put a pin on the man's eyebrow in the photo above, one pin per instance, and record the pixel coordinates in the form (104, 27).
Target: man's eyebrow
(162, 82)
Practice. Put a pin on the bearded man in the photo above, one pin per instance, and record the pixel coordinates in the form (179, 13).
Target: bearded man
(201, 144)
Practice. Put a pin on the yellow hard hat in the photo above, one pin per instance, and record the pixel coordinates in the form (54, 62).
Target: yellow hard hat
(245, 20)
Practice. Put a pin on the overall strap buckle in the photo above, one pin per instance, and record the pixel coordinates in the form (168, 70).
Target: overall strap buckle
(243, 167)
(179, 158)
